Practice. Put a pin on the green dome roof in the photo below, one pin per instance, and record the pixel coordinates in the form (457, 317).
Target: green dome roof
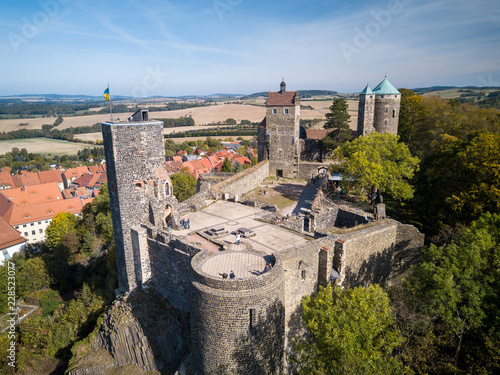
(366, 91)
(385, 88)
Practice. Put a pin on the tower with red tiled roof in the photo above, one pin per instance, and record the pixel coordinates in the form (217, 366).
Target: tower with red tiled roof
(278, 134)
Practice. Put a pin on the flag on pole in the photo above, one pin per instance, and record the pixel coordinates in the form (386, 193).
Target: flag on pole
(106, 94)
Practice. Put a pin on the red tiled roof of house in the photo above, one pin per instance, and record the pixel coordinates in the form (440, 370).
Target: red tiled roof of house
(96, 169)
(6, 169)
(87, 180)
(317, 133)
(26, 179)
(75, 192)
(75, 172)
(242, 160)
(42, 211)
(6, 180)
(32, 194)
(277, 99)
(86, 201)
(103, 178)
(52, 175)
(9, 236)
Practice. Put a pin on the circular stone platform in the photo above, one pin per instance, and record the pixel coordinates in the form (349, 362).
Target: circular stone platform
(244, 264)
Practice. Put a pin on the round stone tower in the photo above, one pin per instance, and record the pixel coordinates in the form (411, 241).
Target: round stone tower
(237, 325)
(387, 101)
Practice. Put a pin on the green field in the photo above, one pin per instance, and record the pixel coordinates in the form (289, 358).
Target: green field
(45, 146)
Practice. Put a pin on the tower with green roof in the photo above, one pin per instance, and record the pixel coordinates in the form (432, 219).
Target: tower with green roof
(379, 109)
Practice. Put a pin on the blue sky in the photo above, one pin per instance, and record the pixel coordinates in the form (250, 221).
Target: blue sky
(146, 47)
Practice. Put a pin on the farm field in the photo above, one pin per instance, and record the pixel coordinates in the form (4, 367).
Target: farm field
(201, 115)
(98, 135)
(44, 146)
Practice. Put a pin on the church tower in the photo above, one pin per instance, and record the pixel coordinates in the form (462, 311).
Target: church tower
(278, 134)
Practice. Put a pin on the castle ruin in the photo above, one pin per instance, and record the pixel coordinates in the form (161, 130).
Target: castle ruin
(239, 325)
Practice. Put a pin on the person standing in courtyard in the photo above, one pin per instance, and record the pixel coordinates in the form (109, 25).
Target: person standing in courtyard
(238, 238)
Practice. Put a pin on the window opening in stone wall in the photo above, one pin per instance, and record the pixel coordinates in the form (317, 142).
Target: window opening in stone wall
(279, 173)
(303, 274)
(274, 111)
(393, 113)
(385, 122)
(252, 321)
(286, 111)
(386, 110)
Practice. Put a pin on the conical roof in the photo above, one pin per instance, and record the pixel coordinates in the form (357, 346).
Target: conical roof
(366, 91)
(385, 88)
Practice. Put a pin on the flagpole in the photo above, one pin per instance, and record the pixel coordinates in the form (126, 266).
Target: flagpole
(110, 108)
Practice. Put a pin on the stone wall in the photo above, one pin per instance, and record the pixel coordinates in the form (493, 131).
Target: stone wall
(308, 169)
(140, 190)
(387, 110)
(283, 129)
(171, 269)
(207, 180)
(237, 325)
(366, 113)
(244, 181)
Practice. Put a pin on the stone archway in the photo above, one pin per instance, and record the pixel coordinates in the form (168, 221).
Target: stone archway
(168, 216)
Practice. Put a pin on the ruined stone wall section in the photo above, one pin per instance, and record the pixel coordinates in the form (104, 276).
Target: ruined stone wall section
(244, 181)
(301, 265)
(171, 269)
(237, 325)
(367, 254)
(141, 253)
(207, 180)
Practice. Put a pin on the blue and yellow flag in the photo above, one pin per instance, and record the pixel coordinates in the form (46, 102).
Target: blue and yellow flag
(106, 94)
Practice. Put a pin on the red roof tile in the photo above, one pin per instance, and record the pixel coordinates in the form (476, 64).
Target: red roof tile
(6, 181)
(287, 99)
(9, 236)
(26, 179)
(50, 176)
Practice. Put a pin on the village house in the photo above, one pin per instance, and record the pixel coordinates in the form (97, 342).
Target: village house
(30, 209)
(11, 241)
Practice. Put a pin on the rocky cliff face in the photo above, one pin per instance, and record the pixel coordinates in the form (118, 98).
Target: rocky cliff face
(140, 334)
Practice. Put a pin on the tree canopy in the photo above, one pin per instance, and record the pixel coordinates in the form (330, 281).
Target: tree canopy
(184, 185)
(379, 161)
(459, 286)
(352, 332)
(460, 180)
(338, 121)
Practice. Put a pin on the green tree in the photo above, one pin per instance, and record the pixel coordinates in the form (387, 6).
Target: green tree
(33, 276)
(242, 150)
(379, 162)
(238, 167)
(226, 166)
(410, 113)
(459, 180)
(352, 332)
(459, 285)
(231, 121)
(184, 185)
(338, 120)
(61, 224)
